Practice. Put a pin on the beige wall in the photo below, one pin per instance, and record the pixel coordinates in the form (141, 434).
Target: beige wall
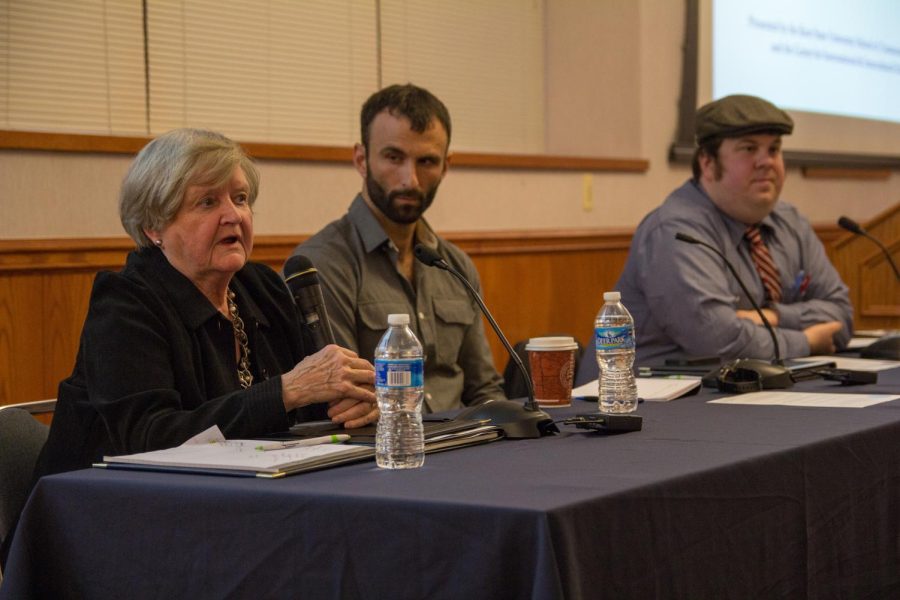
(617, 61)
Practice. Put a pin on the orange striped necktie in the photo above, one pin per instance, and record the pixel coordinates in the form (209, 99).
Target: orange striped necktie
(765, 266)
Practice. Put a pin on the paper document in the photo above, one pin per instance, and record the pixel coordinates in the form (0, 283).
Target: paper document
(858, 343)
(807, 399)
(875, 333)
(210, 436)
(209, 451)
(652, 389)
(854, 364)
(440, 435)
(459, 439)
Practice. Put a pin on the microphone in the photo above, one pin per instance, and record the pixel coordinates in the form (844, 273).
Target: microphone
(302, 280)
(854, 227)
(516, 420)
(851, 226)
(888, 347)
(772, 375)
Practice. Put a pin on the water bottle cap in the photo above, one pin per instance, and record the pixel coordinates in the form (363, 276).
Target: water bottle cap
(398, 319)
(612, 296)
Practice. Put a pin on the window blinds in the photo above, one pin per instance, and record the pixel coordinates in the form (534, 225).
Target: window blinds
(277, 71)
(280, 71)
(72, 66)
(483, 59)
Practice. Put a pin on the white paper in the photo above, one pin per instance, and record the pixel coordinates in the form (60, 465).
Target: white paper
(210, 449)
(652, 389)
(240, 455)
(858, 343)
(807, 399)
(875, 333)
(855, 364)
(210, 436)
(588, 389)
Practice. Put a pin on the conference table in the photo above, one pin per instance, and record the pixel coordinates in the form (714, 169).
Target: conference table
(707, 501)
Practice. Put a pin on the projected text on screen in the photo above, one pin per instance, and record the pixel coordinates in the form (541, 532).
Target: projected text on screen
(817, 56)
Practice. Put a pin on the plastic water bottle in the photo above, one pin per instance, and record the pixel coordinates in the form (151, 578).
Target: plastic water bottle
(399, 387)
(614, 339)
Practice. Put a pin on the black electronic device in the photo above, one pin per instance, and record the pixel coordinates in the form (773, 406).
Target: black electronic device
(314, 428)
(517, 419)
(747, 374)
(854, 227)
(695, 366)
(850, 377)
(664, 370)
(693, 361)
(885, 348)
(828, 371)
(302, 280)
(606, 422)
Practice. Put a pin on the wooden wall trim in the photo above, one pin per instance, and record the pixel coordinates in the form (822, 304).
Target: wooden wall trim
(70, 142)
(544, 162)
(63, 254)
(104, 144)
(478, 243)
(836, 173)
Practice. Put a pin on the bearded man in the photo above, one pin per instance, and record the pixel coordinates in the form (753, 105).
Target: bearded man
(366, 263)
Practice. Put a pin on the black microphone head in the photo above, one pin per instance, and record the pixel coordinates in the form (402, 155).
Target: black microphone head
(769, 375)
(299, 272)
(683, 237)
(517, 421)
(428, 256)
(851, 225)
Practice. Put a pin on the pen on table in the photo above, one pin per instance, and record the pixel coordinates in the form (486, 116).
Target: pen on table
(337, 438)
(649, 372)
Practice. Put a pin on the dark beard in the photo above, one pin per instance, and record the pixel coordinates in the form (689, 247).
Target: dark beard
(405, 214)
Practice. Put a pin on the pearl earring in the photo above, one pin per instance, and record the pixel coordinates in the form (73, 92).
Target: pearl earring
(158, 243)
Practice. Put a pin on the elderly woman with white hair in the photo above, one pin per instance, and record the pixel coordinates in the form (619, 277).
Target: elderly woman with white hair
(191, 334)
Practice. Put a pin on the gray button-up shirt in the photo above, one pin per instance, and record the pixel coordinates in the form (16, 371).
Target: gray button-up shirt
(357, 264)
(683, 298)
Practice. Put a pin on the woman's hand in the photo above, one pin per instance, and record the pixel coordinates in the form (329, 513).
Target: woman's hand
(353, 413)
(337, 376)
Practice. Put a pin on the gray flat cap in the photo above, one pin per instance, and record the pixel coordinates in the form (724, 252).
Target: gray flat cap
(738, 115)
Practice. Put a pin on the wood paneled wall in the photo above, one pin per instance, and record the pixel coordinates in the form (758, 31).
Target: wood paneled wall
(546, 283)
(534, 282)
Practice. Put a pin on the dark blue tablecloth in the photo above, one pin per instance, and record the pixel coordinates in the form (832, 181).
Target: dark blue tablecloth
(708, 501)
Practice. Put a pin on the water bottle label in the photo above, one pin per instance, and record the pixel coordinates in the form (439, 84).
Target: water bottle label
(614, 338)
(399, 373)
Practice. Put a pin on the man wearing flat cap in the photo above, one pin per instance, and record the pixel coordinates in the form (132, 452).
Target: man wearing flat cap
(684, 300)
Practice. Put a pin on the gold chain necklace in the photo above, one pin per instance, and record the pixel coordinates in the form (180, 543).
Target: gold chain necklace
(244, 374)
